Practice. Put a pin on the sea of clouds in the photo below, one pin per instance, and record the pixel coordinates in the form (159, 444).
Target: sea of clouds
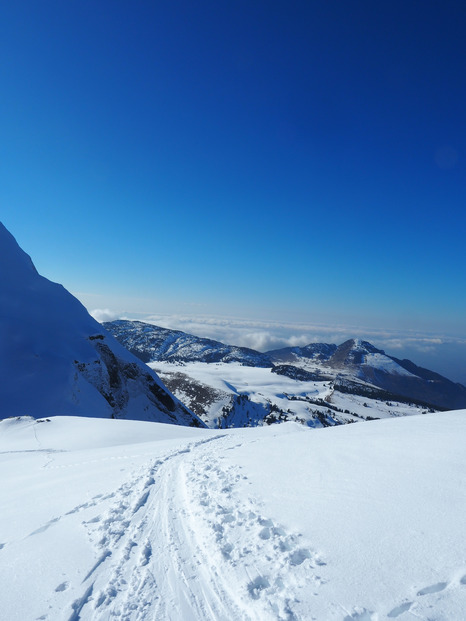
(441, 353)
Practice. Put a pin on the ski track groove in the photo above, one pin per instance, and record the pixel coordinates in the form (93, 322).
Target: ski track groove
(118, 533)
(179, 543)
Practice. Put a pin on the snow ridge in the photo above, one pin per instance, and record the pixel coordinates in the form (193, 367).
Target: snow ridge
(56, 359)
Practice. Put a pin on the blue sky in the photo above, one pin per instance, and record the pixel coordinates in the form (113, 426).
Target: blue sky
(292, 161)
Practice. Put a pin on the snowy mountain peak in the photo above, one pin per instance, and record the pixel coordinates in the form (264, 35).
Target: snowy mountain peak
(353, 353)
(56, 359)
(16, 264)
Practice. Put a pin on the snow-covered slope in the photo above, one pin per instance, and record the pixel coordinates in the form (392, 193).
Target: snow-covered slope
(56, 359)
(355, 364)
(232, 395)
(113, 519)
(359, 360)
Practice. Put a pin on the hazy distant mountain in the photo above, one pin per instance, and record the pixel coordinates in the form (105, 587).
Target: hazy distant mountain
(362, 361)
(151, 343)
(314, 351)
(56, 359)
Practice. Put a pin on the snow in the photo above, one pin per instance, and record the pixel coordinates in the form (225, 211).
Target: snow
(239, 379)
(56, 359)
(297, 398)
(386, 364)
(362, 406)
(105, 519)
(261, 385)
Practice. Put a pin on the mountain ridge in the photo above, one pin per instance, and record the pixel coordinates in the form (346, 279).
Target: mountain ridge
(150, 343)
(55, 359)
(353, 362)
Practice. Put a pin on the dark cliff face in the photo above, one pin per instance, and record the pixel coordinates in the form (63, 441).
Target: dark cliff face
(118, 381)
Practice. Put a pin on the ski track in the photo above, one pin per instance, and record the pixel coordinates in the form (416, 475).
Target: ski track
(178, 542)
(181, 542)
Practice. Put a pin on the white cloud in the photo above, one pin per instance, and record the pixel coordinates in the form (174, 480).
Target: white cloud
(103, 314)
(441, 353)
(260, 335)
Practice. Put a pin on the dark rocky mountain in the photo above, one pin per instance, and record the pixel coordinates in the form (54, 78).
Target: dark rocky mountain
(55, 359)
(151, 343)
(352, 353)
(319, 352)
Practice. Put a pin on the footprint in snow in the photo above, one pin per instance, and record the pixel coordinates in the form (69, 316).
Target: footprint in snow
(62, 587)
(299, 556)
(94, 520)
(438, 587)
(434, 588)
(282, 566)
(361, 614)
(227, 549)
(399, 610)
(257, 585)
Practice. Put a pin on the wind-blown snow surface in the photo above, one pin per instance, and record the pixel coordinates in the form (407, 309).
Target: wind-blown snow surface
(111, 519)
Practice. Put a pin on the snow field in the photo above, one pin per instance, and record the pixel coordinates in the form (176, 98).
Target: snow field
(361, 522)
(264, 387)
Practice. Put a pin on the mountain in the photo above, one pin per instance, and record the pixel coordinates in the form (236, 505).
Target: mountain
(314, 351)
(151, 343)
(56, 359)
(318, 385)
(232, 395)
(359, 360)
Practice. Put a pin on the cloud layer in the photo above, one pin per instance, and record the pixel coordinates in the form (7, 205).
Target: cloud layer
(440, 353)
(103, 314)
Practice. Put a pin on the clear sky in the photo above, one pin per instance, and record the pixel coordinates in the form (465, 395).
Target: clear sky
(294, 161)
